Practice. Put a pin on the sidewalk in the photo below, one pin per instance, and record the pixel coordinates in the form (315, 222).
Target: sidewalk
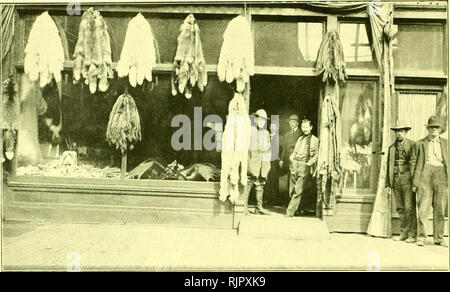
(28, 246)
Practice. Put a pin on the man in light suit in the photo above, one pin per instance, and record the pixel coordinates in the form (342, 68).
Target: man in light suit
(430, 180)
(259, 157)
(401, 164)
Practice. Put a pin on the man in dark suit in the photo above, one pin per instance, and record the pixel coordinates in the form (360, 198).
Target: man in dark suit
(287, 147)
(401, 165)
(430, 179)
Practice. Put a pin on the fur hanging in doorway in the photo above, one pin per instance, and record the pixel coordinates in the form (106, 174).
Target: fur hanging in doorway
(236, 60)
(330, 59)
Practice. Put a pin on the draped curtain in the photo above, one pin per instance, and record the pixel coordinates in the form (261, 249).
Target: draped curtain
(8, 16)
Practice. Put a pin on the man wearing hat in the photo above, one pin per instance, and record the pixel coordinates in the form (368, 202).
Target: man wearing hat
(288, 144)
(430, 179)
(401, 164)
(303, 160)
(259, 157)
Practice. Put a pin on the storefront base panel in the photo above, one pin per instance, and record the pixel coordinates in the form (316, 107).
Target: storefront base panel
(178, 203)
(126, 202)
(353, 213)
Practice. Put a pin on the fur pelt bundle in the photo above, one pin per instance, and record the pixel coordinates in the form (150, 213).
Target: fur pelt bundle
(330, 59)
(236, 60)
(235, 144)
(189, 62)
(139, 53)
(44, 53)
(93, 52)
(124, 126)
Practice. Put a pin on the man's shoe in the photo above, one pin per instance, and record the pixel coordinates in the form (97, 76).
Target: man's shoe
(262, 212)
(411, 240)
(441, 243)
(421, 242)
(401, 238)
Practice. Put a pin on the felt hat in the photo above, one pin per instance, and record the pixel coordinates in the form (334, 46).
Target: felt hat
(434, 121)
(401, 125)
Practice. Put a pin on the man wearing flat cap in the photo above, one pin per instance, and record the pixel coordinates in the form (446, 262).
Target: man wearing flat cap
(259, 157)
(430, 179)
(401, 164)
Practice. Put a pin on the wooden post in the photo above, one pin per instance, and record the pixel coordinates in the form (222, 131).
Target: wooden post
(123, 167)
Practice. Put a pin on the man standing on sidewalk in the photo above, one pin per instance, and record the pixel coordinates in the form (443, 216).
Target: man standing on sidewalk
(259, 157)
(303, 160)
(401, 164)
(430, 179)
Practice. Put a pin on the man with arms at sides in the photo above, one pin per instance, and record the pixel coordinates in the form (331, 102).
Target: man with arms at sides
(401, 164)
(430, 180)
(287, 146)
(259, 157)
(303, 160)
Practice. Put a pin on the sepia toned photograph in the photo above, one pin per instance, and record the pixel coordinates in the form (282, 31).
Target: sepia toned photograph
(224, 136)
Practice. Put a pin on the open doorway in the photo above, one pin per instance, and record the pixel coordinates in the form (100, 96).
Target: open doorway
(285, 96)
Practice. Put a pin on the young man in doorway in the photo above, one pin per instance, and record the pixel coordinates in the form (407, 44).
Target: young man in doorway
(303, 159)
(401, 164)
(259, 157)
(431, 181)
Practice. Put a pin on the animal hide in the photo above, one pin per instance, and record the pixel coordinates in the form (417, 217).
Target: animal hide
(93, 52)
(235, 144)
(189, 62)
(328, 163)
(236, 60)
(28, 149)
(44, 53)
(330, 59)
(124, 126)
(139, 52)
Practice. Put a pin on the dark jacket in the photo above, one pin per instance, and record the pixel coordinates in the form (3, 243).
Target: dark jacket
(288, 144)
(409, 165)
(422, 149)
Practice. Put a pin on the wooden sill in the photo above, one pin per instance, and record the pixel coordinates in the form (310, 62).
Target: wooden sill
(115, 186)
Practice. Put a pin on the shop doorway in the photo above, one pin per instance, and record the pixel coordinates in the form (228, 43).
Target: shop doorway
(284, 96)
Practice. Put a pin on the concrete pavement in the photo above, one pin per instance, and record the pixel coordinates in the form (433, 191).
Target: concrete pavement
(32, 246)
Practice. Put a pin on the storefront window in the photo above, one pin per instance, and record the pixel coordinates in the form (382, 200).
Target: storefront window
(83, 131)
(286, 42)
(420, 47)
(357, 112)
(356, 45)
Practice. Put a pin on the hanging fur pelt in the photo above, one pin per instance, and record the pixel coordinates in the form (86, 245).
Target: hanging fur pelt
(44, 53)
(236, 60)
(139, 53)
(189, 63)
(93, 52)
(235, 144)
(330, 59)
(124, 126)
